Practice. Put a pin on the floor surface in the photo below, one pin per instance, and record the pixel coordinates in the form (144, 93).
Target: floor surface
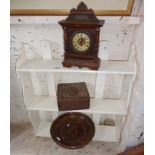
(24, 143)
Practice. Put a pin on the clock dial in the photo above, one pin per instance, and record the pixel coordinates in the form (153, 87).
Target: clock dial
(81, 42)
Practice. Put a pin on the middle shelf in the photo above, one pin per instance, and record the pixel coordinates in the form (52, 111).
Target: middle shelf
(102, 106)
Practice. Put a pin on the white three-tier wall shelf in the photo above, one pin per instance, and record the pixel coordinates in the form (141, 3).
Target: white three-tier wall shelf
(40, 76)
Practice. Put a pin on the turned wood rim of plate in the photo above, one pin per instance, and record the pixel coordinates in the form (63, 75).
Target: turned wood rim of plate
(78, 114)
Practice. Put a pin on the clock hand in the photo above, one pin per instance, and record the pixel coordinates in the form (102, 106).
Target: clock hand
(80, 40)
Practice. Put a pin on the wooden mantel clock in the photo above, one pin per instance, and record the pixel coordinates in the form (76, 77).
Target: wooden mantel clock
(81, 38)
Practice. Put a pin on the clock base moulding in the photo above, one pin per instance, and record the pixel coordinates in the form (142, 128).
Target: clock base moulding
(91, 64)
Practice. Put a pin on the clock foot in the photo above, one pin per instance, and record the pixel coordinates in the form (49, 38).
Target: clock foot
(66, 65)
(93, 68)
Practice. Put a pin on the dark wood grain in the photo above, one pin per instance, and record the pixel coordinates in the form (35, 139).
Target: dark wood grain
(73, 96)
(81, 20)
(139, 150)
(72, 130)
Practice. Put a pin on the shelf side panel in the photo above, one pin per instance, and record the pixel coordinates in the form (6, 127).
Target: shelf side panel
(44, 129)
(126, 90)
(28, 92)
(99, 87)
(51, 84)
(34, 119)
(39, 82)
(113, 86)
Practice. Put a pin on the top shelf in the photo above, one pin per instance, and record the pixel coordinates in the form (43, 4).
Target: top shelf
(106, 67)
(54, 19)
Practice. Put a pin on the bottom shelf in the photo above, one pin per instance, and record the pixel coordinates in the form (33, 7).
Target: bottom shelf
(102, 133)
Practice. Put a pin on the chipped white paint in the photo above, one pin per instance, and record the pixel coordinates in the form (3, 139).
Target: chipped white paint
(45, 48)
(133, 132)
(54, 19)
(114, 40)
(27, 50)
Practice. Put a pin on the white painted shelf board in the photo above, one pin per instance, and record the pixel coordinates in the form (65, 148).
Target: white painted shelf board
(107, 67)
(102, 106)
(44, 129)
(102, 133)
(56, 19)
(105, 133)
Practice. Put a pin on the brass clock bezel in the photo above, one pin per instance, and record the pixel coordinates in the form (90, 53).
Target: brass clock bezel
(73, 48)
(85, 40)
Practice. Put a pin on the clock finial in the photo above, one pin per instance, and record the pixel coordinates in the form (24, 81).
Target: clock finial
(82, 6)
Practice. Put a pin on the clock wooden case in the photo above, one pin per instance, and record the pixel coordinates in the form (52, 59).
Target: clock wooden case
(81, 38)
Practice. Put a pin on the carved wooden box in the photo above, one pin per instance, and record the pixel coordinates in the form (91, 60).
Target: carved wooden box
(73, 96)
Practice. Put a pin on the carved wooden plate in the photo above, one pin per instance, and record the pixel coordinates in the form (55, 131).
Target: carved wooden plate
(72, 130)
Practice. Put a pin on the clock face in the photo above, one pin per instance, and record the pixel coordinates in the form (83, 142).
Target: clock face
(81, 42)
